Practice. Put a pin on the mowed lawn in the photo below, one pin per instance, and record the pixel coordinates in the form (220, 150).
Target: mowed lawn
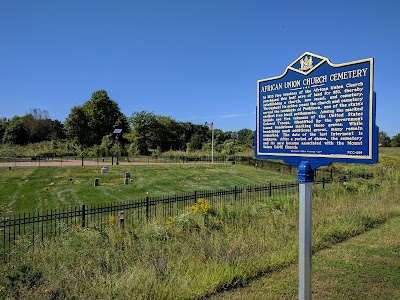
(33, 189)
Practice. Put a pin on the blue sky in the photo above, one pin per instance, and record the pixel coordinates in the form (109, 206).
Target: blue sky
(196, 61)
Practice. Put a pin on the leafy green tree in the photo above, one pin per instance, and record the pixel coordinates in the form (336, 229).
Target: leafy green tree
(15, 132)
(106, 145)
(76, 126)
(195, 143)
(143, 135)
(246, 137)
(58, 131)
(97, 117)
(396, 140)
(219, 136)
(228, 148)
(3, 125)
(38, 125)
(384, 139)
(151, 132)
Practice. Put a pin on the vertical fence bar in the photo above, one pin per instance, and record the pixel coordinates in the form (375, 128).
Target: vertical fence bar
(31, 232)
(4, 238)
(14, 232)
(147, 208)
(83, 216)
(42, 224)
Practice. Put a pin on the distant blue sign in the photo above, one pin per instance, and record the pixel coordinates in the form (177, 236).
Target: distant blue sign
(319, 112)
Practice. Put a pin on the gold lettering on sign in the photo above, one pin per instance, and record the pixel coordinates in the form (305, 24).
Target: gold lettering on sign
(312, 113)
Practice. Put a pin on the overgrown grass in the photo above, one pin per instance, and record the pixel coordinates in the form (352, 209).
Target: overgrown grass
(364, 267)
(31, 189)
(195, 254)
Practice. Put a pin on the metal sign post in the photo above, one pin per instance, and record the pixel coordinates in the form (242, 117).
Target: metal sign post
(305, 178)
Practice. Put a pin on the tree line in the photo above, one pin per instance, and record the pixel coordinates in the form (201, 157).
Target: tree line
(89, 129)
(386, 141)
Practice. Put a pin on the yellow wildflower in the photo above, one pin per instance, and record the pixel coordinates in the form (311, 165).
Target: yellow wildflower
(200, 207)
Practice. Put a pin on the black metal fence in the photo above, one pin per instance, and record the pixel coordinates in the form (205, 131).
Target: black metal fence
(273, 165)
(35, 228)
(108, 160)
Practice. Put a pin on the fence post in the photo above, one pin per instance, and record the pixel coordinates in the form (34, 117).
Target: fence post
(83, 216)
(270, 189)
(82, 160)
(323, 182)
(235, 192)
(331, 174)
(4, 237)
(147, 207)
(121, 219)
(195, 197)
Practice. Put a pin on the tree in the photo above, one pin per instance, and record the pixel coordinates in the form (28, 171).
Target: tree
(246, 137)
(143, 134)
(384, 139)
(3, 125)
(58, 130)
(35, 126)
(15, 132)
(195, 143)
(396, 140)
(76, 126)
(97, 117)
(38, 125)
(106, 145)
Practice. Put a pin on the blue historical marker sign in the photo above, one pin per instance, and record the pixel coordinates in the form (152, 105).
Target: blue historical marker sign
(319, 112)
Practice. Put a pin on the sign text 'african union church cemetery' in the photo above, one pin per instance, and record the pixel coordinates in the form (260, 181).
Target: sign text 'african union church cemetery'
(318, 111)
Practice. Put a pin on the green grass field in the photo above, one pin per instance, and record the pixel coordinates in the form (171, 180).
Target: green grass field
(32, 189)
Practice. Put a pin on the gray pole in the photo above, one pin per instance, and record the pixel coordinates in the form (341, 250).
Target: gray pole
(212, 139)
(305, 177)
(212, 142)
